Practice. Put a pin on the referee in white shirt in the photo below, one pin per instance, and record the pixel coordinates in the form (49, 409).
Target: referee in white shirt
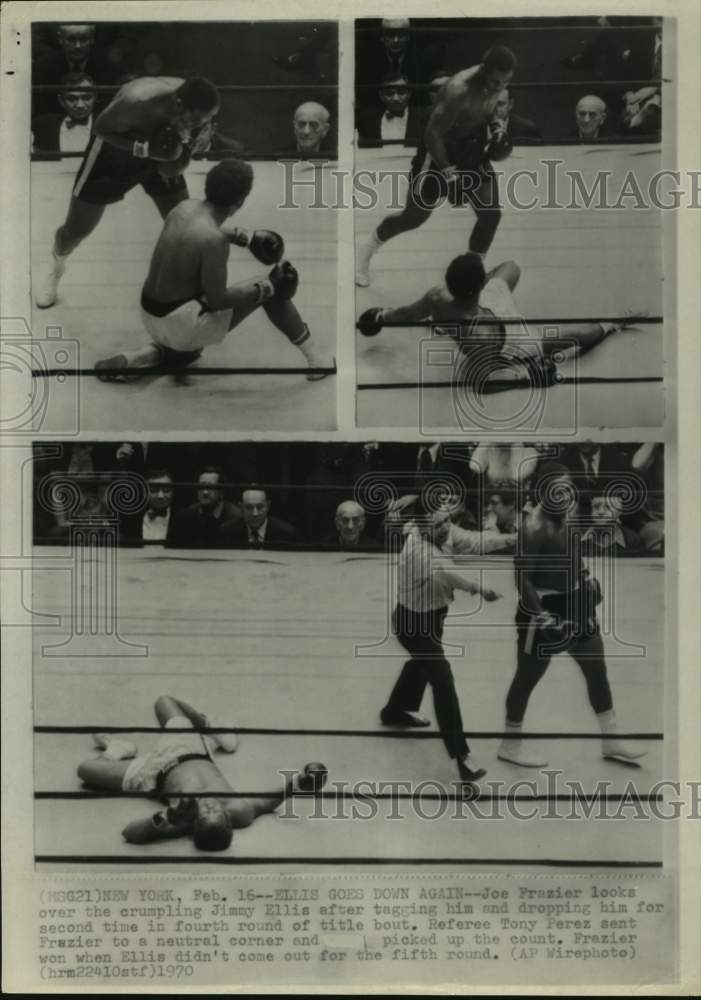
(426, 581)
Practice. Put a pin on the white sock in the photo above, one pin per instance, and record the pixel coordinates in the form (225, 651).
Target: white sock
(305, 344)
(607, 722)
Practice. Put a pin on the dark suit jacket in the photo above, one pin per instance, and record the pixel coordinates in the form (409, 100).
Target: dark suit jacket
(369, 125)
(52, 66)
(278, 534)
(365, 544)
(193, 529)
(522, 128)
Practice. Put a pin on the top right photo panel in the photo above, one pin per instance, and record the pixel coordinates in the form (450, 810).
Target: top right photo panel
(511, 198)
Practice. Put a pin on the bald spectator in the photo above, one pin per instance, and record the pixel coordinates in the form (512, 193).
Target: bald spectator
(350, 529)
(311, 123)
(256, 529)
(590, 114)
(66, 131)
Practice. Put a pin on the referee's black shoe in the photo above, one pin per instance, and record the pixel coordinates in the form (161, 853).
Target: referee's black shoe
(410, 719)
(468, 773)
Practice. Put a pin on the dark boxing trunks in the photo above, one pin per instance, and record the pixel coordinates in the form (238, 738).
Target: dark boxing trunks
(106, 174)
(165, 771)
(576, 607)
(465, 149)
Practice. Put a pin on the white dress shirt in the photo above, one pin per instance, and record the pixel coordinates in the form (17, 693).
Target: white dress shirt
(426, 577)
(394, 127)
(74, 138)
(155, 528)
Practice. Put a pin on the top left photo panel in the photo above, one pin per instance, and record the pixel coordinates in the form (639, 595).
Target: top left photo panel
(180, 279)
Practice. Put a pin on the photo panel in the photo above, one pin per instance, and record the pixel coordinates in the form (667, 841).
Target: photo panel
(172, 286)
(509, 229)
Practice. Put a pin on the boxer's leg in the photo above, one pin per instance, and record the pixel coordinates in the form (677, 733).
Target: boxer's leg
(166, 707)
(414, 214)
(529, 669)
(283, 314)
(81, 220)
(485, 203)
(101, 772)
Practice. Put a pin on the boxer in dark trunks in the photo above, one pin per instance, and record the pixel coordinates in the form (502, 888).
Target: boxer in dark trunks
(183, 774)
(146, 136)
(454, 160)
(557, 614)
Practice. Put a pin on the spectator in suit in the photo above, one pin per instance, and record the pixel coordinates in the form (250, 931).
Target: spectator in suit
(395, 33)
(503, 510)
(392, 119)
(607, 534)
(76, 52)
(517, 128)
(310, 123)
(201, 524)
(155, 523)
(593, 466)
(256, 529)
(590, 115)
(350, 529)
(67, 131)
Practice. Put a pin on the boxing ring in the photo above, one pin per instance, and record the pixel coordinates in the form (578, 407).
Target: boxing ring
(98, 314)
(239, 635)
(575, 262)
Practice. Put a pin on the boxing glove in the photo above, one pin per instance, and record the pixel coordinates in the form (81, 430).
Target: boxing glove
(498, 146)
(284, 279)
(370, 322)
(267, 247)
(165, 144)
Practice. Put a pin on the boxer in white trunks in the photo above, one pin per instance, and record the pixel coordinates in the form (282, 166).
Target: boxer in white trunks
(186, 304)
(182, 772)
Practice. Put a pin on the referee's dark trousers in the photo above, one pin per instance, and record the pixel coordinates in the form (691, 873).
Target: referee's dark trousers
(421, 634)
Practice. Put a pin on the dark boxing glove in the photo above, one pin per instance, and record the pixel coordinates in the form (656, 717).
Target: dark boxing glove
(370, 323)
(498, 146)
(165, 145)
(284, 279)
(266, 247)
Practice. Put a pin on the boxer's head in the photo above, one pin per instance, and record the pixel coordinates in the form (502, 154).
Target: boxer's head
(212, 828)
(77, 103)
(591, 115)
(198, 102)
(465, 276)
(503, 504)
(498, 65)
(228, 184)
(395, 93)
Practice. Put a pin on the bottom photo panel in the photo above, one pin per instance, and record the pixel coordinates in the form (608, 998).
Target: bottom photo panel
(285, 655)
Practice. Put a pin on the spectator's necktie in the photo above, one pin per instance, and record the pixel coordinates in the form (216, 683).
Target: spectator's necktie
(153, 514)
(425, 461)
(255, 541)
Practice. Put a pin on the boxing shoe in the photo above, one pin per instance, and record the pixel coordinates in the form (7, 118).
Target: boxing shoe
(363, 258)
(106, 370)
(114, 748)
(411, 720)
(613, 749)
(513, 752)
(46, 289)
(468, 769)
(318, 359)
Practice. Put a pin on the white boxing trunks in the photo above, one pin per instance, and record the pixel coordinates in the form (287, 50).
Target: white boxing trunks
(189, 327)
(145, 772)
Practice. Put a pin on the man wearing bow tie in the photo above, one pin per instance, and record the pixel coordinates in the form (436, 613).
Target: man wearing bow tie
(392, 119)
(156, 520)
(67, 132)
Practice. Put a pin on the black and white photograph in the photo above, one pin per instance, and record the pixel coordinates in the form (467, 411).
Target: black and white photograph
(271, 594)
(185, 293)
(509, 232)
(348, 498)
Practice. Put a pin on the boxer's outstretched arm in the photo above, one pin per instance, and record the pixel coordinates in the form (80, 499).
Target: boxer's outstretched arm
(412, 313)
